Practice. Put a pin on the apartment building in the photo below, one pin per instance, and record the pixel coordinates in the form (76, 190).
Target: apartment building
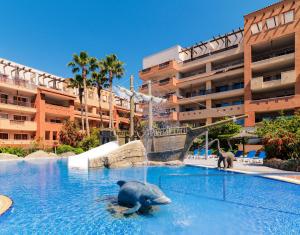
(34, 104)
(253, 71)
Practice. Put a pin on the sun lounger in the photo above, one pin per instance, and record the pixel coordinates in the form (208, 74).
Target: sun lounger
(239, 155)
(250, 156)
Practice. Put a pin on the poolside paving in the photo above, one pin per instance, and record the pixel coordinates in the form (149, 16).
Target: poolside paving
(249, 168)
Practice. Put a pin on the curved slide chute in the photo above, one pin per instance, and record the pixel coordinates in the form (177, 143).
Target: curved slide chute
(81, 161)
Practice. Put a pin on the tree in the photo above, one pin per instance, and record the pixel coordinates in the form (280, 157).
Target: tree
(83, 64)
(77, 82)
(224, 132)
(70, 134)
(99, 80)
(114, 69)
(281, 137)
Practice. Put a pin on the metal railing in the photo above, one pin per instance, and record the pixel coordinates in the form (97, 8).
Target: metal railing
(215, 90)
(16, 102)
(273, 54)
(168, 131)
(17, 82)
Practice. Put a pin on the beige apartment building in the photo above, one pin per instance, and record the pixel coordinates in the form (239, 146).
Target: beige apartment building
(34, 104)
(253, 71)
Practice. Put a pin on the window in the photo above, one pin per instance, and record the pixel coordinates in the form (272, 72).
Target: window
(19, 118)
(3, 136)
(55, 121)
(20, 136)
(222, 88)
(256, 28)
(3, 98)
(288, 17)
(54, 135)
(272, 22)
(47, 135)
(3, 115)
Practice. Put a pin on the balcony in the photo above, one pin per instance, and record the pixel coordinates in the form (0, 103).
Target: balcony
(213, 112)
(57, 109)
(282, 58)
(232, 91)
(277, 53)
(7, 124)
(13, 142)
(273, 104)
(17, 106)
(92, 116)
(16, 83)
(283, 79)
(163, 69)
(164, 116)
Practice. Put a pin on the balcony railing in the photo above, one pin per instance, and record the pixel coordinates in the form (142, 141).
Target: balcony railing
(17, 82)
(211, 53)
(270, 55)
(215, 90)
(229, 64)
(16, 102)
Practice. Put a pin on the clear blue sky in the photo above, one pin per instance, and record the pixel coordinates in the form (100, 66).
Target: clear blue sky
(45, 33)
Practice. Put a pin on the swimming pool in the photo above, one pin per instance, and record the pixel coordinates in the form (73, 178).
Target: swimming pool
(49, 198)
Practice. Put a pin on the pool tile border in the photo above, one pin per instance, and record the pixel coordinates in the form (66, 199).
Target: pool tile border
(5, 204)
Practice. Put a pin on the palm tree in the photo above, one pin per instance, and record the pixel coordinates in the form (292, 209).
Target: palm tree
(99, 79)
(114, 69)
(84, 64)
(77, 82)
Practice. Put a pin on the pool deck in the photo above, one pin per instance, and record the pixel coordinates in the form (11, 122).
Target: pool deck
(249, 168)
(5, 204)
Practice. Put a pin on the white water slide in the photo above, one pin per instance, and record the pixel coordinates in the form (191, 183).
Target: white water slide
(81, 161)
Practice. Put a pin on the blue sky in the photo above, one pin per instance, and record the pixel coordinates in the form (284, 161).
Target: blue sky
(45, 34)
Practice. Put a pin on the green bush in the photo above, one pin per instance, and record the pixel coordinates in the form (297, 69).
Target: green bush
(20, 152)
(90, 142)
(281, 137)
(67, 148)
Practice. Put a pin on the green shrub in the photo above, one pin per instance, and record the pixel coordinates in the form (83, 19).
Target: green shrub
(90, 142)
(20, 152)
(67, 148)
(281, 137)
(70, 134)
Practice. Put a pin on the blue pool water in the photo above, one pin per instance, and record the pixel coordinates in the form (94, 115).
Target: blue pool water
(50, 199)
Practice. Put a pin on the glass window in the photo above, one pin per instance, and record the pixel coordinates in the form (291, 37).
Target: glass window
(47, 135)
(256, 28)
(272, 22)
(4, 115)
(54, 135)
(3, 98)
(288, 17)
(19, 118)
(4, 136)
(20, 136)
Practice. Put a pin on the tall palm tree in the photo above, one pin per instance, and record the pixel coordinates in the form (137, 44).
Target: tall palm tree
(84, 64)
(99, 79)
(77, 83)
(114, 69)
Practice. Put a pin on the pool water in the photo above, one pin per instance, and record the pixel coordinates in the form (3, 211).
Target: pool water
(49, 198)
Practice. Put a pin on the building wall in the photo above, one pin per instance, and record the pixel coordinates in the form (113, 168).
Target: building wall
(49, 102)
(226, 59)
(267, 35)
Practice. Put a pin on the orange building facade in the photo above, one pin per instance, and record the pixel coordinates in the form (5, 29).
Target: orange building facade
(35, 104)
(253, 71)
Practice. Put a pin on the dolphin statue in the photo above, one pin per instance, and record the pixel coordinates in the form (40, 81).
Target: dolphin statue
(138, 196)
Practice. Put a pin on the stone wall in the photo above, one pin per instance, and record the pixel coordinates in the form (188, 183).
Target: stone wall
(287, 165)
(130, 154)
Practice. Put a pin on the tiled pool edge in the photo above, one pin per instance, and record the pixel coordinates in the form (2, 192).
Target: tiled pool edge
(279, 178)
(5, 204)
